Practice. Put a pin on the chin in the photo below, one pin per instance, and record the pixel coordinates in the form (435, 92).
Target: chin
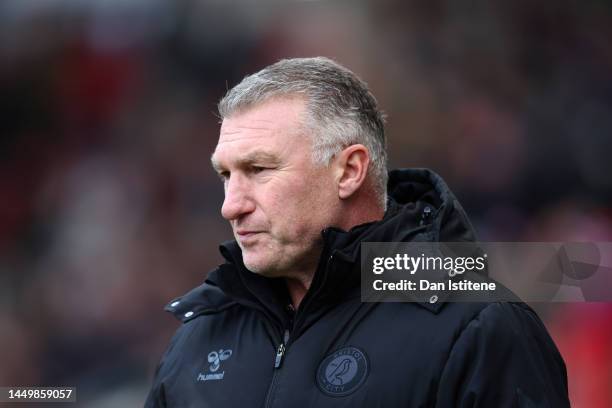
(255, 265)
(261, 267)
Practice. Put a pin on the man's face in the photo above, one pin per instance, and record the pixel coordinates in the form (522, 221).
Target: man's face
(276, 199)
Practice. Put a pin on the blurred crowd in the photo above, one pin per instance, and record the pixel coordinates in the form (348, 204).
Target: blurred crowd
(109, 207)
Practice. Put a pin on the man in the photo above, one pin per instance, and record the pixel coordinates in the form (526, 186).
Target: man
(301, 154)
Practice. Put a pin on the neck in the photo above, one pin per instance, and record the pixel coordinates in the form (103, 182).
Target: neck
(298, 286)
(360, 208)
(297, 290)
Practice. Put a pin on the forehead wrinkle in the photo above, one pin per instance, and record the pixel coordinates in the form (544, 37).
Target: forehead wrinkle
(241, 127)
(251, 124)
(244, 132)
(237, 139)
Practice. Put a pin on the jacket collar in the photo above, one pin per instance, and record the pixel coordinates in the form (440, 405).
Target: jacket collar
(420, 208)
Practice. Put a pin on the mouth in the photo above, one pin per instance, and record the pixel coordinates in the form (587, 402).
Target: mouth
(246, 233)
(247, 236)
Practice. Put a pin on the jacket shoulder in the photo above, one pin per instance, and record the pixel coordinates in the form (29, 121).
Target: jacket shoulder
(204, 299)
(506, 336)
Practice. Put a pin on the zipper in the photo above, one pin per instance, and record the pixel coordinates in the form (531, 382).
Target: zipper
(280, 352)
(278, 361)
(282, 347)
(308, 299)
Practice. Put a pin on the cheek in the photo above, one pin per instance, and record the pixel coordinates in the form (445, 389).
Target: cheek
(310, 205)
(297, 206)
(284, 209)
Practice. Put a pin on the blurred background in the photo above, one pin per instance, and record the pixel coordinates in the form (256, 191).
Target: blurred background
(109, 207)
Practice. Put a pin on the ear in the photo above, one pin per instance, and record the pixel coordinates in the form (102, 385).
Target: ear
(351, 166)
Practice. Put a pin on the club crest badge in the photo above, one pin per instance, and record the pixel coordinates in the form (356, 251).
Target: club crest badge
(342, 372)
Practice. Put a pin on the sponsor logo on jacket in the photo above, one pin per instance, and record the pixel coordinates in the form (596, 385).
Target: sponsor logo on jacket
(215, 358)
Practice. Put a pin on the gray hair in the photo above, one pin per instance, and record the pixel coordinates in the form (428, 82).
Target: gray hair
(341, 110)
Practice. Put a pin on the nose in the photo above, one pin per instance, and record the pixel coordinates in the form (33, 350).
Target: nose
(238, 200)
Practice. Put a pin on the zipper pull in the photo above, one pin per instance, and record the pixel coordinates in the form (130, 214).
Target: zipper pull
(425, 216)
(280, 352)
(279, 355)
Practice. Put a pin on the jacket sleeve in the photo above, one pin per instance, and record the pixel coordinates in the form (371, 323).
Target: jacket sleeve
(504, 357)
(157, 394)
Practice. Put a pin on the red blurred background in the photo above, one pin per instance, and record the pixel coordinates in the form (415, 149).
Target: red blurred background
(109, 208)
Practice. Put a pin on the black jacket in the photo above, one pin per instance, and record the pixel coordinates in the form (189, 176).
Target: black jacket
(240, 345)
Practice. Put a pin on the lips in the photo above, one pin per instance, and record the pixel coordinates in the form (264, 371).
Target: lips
(246, 237)
(243, 233)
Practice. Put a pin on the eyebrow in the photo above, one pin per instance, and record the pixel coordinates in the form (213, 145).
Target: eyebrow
(258, 156)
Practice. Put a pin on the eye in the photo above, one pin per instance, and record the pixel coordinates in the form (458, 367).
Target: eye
(224, 175)
(257, 169)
